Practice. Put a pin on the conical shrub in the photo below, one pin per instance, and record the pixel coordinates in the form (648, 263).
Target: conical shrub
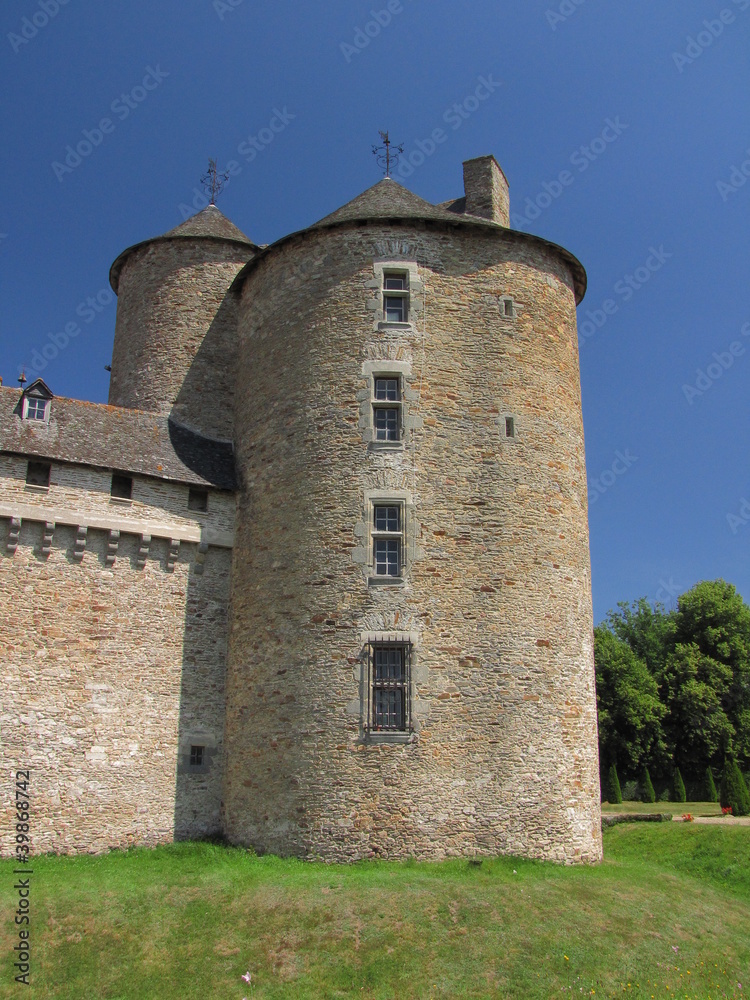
(709, 787)
(614, 795)
(678, 787)
(647, 789)
(733, 790)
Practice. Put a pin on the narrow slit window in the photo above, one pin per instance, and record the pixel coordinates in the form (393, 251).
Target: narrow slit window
(510, 427)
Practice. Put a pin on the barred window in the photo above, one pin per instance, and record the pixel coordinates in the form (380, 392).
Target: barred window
(196, 756)
(389, 682)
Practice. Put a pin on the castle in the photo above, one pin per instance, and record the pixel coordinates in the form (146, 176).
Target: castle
(317, 577)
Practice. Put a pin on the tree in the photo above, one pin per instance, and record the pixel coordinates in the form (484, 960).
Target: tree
(734, 791)
(678, 787)
(647, 789)
(630, 713)
(698, 729)
(612, 790)
(713, 617)
(646, 629)
(709, 787)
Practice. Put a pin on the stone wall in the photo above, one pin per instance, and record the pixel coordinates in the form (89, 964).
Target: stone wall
(114, 659)
(175, 336)
(496, 599)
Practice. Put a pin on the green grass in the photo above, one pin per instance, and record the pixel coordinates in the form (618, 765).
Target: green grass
(666, 915)
(675, 808)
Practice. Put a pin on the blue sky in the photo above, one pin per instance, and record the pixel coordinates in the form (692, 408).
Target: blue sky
(623, 128)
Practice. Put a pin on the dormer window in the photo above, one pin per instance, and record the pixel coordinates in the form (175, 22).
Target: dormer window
(36, 402)
(36, 408)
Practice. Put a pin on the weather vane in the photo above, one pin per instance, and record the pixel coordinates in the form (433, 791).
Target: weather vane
(384, 156)
(213, 181)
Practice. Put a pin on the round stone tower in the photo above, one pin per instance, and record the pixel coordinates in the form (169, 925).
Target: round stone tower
(175, 338)
(411, 662)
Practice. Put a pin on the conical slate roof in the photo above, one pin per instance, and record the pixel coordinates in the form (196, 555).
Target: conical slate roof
(209, 222)
(387, 199)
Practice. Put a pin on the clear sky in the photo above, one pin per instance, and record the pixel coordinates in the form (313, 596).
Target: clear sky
(623, 128)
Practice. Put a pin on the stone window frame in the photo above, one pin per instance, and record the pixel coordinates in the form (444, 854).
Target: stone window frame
(414, 288)
(371, 641)
(508, 307)
(389, 535)
(364, 553)
(385, 368)
(209, 743)
(502, 424)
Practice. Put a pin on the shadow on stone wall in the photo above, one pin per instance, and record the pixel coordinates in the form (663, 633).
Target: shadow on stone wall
(198, 787)
(205, 400)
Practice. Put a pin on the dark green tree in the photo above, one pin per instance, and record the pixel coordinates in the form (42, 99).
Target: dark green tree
(612, 790)
(648, 630)
(678, 787)
(709, 787)
(647, 789)
(713, 617)
(697, 727)
(734, 791)
(630, 713)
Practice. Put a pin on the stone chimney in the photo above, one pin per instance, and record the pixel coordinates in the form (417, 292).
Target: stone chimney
(486, 190)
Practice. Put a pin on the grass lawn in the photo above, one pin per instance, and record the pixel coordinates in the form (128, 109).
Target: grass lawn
(666, 915)
(676, 808)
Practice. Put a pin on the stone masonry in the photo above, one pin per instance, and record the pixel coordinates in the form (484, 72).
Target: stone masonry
(236, 603)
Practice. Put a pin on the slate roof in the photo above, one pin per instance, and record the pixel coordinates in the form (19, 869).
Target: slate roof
(389, 200)
(209, 224)
(113, 437)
